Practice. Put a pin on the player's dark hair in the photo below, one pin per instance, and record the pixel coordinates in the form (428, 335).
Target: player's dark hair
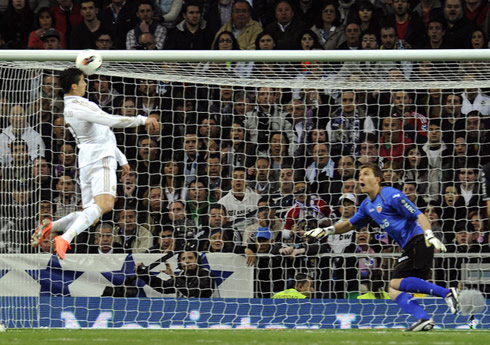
(374, 168)
(69, 77)
(301, 278)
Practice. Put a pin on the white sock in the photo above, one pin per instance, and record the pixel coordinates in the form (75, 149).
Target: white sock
(86, 218)
(64, 223)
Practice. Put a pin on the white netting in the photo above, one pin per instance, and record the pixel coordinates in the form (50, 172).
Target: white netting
(295, 131)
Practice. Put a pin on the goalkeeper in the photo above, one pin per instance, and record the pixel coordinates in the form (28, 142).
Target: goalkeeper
(97, 160)
(410, 228)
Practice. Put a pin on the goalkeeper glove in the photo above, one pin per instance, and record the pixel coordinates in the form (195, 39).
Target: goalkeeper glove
(320, 232)
(430, 239)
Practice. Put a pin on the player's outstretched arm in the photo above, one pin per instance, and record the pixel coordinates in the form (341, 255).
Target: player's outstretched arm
(338, 228)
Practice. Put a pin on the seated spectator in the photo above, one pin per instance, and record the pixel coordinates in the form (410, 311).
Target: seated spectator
(131, 236)
(127, 191)
(265, 217)
(286, 30)
(21, 211)
(469, 187)
(452, 119)
(279, 154)
(260, 178)
(119, 17)
(477, 137)
(477, 219)
(85, 34)
(434, 213)
(105, 95)
(410, 190)
(67, 14)
(193, 281)
(458, 27)
(265, 41)
(45, 21)
(369, 151)
(475, 100)
(328, 25)
(285, 199)
(20, 129)
(239, 202)
(104, 241)
(352, 34)
(393, 142)
(453, 208)
(416, 168)
(164, 241)
(145, 14)
(146, 41)
(321, 170)
(198, 201)
(148, 162)
(46, 210)
(104, 41)
(42, 181)
(174, 181)
(365, 244)
(147, 99)
(67, 161)
(186, 230)
(392, 175)
(303, 288)
(47, 245)
(409, 26)
(18, 170)
(218, 185)
(192, 33)
(218, 220)
(219, 243)
(67, 200)
(17, 23)
(242, 151)
(155, 205)
(242, 25)
(414, 123)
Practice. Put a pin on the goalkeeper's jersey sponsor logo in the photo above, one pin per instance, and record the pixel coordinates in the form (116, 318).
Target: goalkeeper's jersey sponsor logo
(409, 207)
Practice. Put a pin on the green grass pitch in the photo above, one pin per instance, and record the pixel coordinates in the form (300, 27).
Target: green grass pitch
(239, 337)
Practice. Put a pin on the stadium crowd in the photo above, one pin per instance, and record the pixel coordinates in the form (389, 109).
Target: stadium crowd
(249, 170)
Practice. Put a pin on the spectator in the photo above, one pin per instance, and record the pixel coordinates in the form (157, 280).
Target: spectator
(146, 41)
(20, 129)
(67, 16)
(47, 245)
(286, 30)
(409, 26)
(453, 208)
(452, 118)
(67, 200)
(479, 39)
(410, 190)
(477, 137)
(346, 127)
(481, 233)
(285, 200)
(127, 191)
(67, 162)
(279, 153)
(388, 36)
(392, 174)
(475, 100)
(218, 221)
(186, 231)
(131, 236)
(265, 41)
(164, 241)
(434, 213)
(393, 140)
(105, 95)
(469, 187)
(260, 178)
(147, 98)
(308, 40)
(51, 39)
(219, 243)
(241, 152)
(192, 157)
(308, 208)
(119, 17)
(352, 34)
(366, 16)
(42, 178)
(364, 244)
(303, 288)
(427, 9)
(416, 168)
(155, 205)
(104, 41)
(17, 23)
(174, 181)
(145, 14)
(414, 123)
(22, 213)
(193, 281)
(85, 34)
(435, 34)
(241, 24)
(192, 33)
(198, 201)
(148, 162)
(104, 241)
(477, 11)
(265, 217)
(239, 201)
(327, 25)
(44, 20)
(265, 118)
(217, 183)
(369, 151)
(459, 28)
(321, 170)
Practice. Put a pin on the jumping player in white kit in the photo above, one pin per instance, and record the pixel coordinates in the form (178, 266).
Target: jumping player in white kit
(97, 160)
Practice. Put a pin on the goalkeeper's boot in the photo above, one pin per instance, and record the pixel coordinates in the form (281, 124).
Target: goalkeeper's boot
(41, 233)
(452, 300)
(62, 246)
(421, 326)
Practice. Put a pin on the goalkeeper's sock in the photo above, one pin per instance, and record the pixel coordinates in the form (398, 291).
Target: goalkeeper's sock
(64, 223)
(412, 284)
(86, 218)
(410, 305)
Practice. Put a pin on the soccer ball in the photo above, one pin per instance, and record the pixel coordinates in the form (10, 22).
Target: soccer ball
(89, 61)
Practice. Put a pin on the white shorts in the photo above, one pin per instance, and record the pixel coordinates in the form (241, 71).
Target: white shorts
(98, 178)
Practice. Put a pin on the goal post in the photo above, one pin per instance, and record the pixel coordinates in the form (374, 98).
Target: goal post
(290, 125)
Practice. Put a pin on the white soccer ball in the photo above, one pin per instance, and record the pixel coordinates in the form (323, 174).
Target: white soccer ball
(89, 61)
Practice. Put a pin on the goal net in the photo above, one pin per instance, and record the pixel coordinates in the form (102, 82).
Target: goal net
(253, 150)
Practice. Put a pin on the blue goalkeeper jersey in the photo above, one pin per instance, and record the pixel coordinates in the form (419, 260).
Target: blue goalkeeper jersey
(393, 212)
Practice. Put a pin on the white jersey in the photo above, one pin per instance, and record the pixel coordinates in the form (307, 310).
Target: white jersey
(91, 128)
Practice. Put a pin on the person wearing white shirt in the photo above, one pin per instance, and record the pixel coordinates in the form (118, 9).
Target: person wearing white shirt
(97, 159)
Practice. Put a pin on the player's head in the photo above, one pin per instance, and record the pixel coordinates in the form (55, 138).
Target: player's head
(72, 82)
(304, 284)
(370, 177)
